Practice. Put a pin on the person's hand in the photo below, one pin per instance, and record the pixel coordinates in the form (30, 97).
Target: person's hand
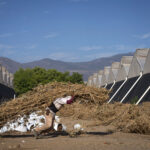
(47, 112)
(76, 96)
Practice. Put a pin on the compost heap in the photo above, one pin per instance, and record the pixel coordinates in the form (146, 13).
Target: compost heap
(40, 97)
(90, 105)
(127, 118)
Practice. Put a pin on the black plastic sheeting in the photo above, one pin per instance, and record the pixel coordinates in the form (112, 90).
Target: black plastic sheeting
(115, 88)
(109, 86)
(121, 93)
(139, 89)
(6, 93)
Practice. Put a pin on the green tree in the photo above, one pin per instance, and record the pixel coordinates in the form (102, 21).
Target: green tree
(76, 78)
(65, 77)
(24, 81)
(54, 75)
(40, 75)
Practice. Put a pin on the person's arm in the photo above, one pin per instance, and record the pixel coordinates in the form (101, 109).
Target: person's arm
(70, 100)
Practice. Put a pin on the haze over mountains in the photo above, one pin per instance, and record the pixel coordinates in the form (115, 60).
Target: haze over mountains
(85, 68)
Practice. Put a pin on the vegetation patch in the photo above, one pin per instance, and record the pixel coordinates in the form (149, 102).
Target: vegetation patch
(27, 79)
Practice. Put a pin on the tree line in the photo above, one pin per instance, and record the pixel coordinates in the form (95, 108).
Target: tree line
(26, 79)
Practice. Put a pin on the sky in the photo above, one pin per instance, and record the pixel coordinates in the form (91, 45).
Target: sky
(72, 30)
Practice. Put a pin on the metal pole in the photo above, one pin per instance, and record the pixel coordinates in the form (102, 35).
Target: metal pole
(118, 90)
(105, 85)
(143, 95)
(132, 87)
(112, 85)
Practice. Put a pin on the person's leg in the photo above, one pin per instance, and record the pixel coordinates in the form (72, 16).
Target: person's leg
(49, 120)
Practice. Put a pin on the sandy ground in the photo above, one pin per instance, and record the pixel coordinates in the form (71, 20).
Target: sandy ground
(95, 138)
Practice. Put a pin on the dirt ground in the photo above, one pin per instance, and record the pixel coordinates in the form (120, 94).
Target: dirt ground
(93, 138)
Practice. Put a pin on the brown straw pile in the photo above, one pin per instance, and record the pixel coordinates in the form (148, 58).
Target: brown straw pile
(40, 97)
(124, 117)
(90, 105)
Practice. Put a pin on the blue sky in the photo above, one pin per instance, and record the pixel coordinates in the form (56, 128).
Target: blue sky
(72, 30)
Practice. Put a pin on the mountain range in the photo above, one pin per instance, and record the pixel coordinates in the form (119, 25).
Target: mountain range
(84, 68)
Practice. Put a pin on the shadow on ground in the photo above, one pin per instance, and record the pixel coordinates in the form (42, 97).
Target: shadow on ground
(55, 134)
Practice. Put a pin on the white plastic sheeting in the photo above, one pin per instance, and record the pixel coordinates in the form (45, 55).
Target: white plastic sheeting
(99, 78)
(78, 127)
(89, 83)
(94, 79)
(124, 68)
(147, 63)
(24, 124)
(138, 62)
(113, 72)
(11, 79)
(4, 76)
(105, 75)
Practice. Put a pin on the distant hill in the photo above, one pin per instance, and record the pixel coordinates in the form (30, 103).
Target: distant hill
(85, 68)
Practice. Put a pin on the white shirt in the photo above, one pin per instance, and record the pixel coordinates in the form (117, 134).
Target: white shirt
(59, 102)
